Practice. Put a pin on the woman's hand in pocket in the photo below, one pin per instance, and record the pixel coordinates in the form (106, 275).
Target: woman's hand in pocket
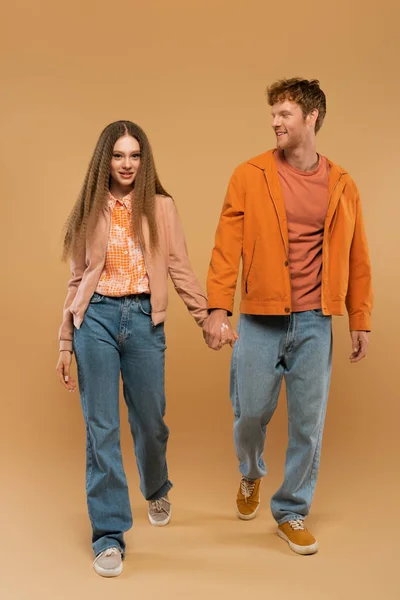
(63, 370)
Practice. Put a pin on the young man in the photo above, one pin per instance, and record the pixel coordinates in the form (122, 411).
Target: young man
(295, 219)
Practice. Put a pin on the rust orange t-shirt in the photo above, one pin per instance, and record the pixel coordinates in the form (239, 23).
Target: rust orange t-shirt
(306, 199)
(124, 271)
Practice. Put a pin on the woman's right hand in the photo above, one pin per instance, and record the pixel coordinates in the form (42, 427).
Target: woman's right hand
(217, 330)
(63, 369)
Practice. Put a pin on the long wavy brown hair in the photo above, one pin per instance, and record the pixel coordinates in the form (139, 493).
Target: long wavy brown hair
(93, 196)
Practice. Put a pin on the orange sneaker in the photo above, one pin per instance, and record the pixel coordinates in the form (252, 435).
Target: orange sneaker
(248, 498)
(300, 540)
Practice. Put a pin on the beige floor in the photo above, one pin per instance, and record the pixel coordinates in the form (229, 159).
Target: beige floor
(205, 552)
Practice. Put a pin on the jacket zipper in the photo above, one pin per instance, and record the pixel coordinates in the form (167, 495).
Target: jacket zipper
(277, 216)
(283, 237)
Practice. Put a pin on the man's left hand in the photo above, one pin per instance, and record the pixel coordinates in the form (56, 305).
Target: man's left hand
(360, 341)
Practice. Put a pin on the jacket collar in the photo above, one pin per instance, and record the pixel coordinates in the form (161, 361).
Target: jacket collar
(266, 162)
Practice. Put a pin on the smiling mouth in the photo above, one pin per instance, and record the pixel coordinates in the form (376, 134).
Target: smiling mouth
(280, 133)
(126, 175)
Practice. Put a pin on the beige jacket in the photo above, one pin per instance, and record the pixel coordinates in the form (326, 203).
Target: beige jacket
(170, 258)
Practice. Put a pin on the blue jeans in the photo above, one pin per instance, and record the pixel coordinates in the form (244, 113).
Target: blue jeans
(117, 336)
(298, 348)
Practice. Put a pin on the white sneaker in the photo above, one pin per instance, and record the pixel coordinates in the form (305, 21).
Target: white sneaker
(160, 511)
(109, 562)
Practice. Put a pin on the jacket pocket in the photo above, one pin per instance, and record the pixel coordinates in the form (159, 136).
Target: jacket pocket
(250, 266)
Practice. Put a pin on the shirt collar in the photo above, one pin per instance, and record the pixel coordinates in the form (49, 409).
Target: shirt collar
(125, 201)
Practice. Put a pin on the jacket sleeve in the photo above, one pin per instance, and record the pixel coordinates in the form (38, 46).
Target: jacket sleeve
(66, 331)
(180, 269)
(359, 298)
(225, 259)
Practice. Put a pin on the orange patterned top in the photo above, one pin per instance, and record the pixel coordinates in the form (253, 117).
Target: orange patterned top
(124, 270)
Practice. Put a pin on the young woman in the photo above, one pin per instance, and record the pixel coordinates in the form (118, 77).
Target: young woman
(124, 237)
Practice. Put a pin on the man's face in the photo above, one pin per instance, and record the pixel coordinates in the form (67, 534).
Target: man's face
(291, 128)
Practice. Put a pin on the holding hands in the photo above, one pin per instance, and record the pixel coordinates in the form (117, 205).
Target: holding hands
(217, 330)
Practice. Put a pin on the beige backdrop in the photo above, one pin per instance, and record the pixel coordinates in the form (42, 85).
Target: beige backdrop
(193, 75)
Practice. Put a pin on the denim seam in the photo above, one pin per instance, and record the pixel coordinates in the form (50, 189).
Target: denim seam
(236, 412)
(86, 418)
(317, 452)
(315, 458)
(123, 322)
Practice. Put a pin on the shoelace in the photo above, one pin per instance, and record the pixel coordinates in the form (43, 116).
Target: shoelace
(247, 488)
(158, 505)
(297, 524)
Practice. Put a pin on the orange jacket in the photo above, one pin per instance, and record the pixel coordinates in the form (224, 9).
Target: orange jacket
(253, 227)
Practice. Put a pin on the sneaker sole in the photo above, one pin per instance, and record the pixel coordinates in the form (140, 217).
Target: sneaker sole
(247, 517)
(108, 572)
(160, 523)
(312, 549)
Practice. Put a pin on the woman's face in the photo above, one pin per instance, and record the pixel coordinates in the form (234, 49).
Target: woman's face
(125, 161)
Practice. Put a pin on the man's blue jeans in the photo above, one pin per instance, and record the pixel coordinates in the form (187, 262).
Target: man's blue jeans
(298, 348)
